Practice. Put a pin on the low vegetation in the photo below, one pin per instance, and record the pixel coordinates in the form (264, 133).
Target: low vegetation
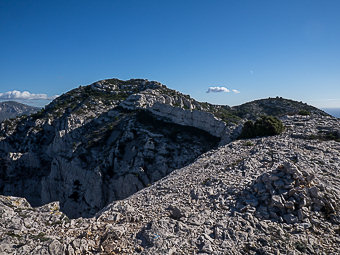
(304, 112)
(263, 126)
(326, 136)
(226, 115)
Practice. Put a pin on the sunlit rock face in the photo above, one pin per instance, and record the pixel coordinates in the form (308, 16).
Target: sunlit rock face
(104, 142)
(87, 148)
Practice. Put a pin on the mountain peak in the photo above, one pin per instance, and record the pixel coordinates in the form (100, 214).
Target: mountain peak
(12, 109)
(132, 85)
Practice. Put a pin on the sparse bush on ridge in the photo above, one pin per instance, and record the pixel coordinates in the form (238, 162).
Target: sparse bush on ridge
(304, 112)
(248, 143)
(263, 126)
(326, 136)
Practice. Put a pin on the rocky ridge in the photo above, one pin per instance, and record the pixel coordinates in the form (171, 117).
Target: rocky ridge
(84, 147)
(275, 106)
(106, 141)
(270, 195)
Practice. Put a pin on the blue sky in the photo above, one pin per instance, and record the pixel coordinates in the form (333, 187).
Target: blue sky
(262, 48)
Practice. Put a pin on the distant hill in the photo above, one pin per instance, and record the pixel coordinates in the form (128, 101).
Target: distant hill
(277, 106)
(11, 109)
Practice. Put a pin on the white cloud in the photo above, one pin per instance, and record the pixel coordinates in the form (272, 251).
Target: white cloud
(25, 95)
(222, 89)
(217, 89)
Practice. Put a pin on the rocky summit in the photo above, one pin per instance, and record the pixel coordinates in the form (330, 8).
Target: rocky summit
(133, 167)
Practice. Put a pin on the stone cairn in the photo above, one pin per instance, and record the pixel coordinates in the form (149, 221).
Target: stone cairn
(289, 195)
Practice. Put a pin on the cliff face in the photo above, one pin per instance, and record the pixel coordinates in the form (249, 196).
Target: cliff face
(89, 147)
(105, 141)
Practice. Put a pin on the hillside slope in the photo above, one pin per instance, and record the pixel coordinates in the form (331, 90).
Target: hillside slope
(274, 106)
(103, 142)
(270, 195)
(86, 148)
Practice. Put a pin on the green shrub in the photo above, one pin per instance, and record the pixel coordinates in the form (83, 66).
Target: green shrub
(226, 115)
(304, 112)
(332, 136)
(248, 143)
(248, 130)
(325, 136)
(264, 126)
(38, 114)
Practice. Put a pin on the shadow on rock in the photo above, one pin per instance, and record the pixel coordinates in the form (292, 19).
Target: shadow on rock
(102, 160)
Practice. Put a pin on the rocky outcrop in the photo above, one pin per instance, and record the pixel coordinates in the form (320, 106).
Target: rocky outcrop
(214, 205)
(148, 159)
(84, 147)
(287, 194)
(87, 167)
(180, 110)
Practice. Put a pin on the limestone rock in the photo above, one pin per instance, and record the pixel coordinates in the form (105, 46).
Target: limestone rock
(157, 183)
